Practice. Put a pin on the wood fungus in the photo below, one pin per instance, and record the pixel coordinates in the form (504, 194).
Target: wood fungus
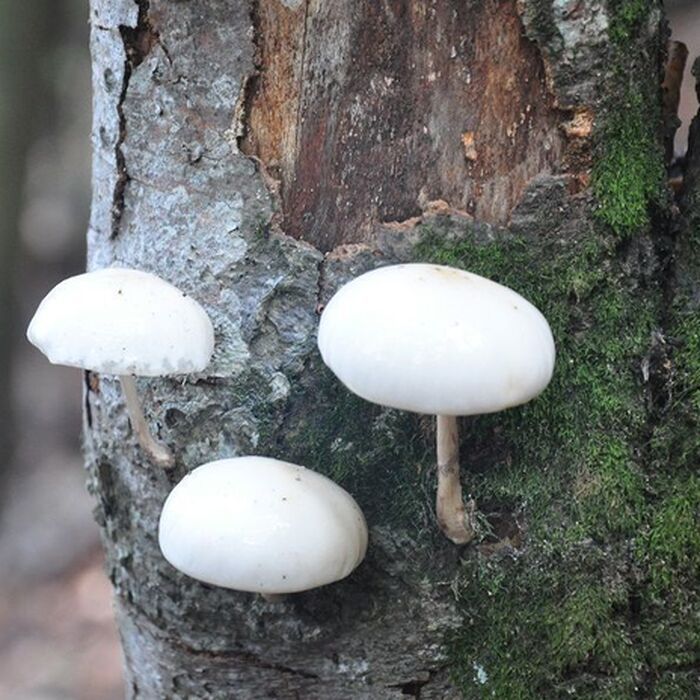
(437, 340)
(261, 525)
(124, 322)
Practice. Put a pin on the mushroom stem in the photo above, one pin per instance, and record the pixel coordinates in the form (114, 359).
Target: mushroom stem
(454, 519)
(274, 597)
(158, 453)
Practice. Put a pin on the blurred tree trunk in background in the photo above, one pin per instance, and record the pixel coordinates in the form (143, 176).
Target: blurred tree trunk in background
(24, 31)
(259, 154)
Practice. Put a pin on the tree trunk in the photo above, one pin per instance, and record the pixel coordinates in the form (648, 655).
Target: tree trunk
(258, 154)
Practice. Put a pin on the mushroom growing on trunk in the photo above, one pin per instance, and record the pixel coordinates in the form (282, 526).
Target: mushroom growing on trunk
(124, 322)
(437, 340)
(261, 525)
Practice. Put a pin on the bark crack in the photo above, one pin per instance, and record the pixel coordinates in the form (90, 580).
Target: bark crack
(245, 658)
(86, 398)
(413, 688)
(153, 627)
(656, 365)
(320, 283)
(241, 111)
(138, 42)
(249, 659)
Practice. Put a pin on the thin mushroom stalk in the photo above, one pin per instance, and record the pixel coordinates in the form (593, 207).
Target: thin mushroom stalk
(496, 352)
(454, 519)
(158, 453)
(145, 327)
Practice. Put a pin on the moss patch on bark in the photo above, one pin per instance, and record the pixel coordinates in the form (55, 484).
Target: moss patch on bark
(629, 170)
(629, 173)
(596, 594)
(602, 600)
(385, 458)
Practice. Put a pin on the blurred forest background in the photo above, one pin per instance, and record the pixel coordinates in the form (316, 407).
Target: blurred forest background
(57, 639)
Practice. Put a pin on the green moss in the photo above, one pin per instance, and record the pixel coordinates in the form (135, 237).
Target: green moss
(676, 684)
(687, 359)
(629, 170)
(610, 493)
(628, 175)
(672, 544)
(547, 635)
(556, 621)
(385, 458)
(627, 17)
(676, 440)
(577, 435)
(601, 600)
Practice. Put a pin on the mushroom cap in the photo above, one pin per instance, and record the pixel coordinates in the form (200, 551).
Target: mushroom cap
(434, 339)
(257, 524)
(121, 321)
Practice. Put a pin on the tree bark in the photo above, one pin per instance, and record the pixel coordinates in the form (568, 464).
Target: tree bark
(259, 154)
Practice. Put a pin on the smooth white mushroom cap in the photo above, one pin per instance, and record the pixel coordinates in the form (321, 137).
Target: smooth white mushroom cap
(257, 524)
(438, 340)
(121, 321)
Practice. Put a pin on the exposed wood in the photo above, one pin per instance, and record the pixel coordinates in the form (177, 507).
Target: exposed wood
(360, 109)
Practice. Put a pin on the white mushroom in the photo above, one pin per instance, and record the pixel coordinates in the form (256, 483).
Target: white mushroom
(124, 322)
(438, 340)
(260, 525)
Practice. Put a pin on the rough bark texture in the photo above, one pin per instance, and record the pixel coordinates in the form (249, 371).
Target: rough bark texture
(260, 154)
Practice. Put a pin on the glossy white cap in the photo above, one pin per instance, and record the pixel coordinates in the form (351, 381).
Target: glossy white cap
(121, 321)
(260, 525)
(437, 340)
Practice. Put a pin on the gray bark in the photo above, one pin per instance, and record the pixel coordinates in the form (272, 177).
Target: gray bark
(173, 194)
(219, 165)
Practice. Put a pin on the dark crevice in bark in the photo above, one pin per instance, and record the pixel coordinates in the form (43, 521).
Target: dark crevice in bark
(248, 659)
(320, 284)
(690, 667)
(666, 224)
(302, 76)
(86, 398)
(138, 42)
(242, 109)
(414, 687)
